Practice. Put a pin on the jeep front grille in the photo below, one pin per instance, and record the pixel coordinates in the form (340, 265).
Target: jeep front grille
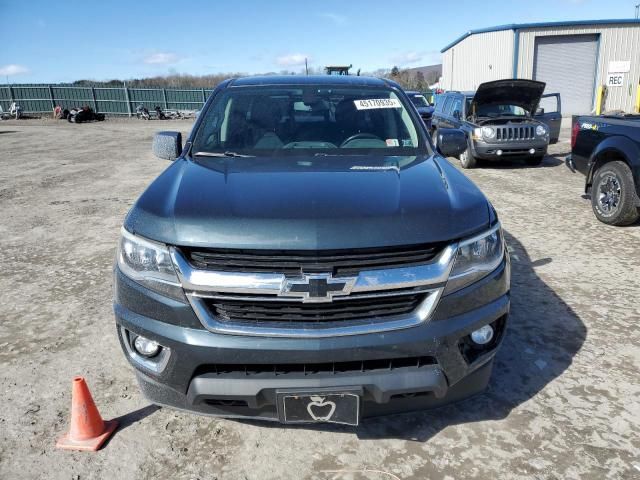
(506, 134)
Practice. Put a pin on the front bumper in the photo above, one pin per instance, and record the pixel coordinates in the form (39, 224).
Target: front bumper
(191, 376)
(489, 151)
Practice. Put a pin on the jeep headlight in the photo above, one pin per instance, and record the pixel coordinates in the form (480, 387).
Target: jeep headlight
(541, 131)
(477, 133)
(149, 264)
(476, 257)
(488, 132)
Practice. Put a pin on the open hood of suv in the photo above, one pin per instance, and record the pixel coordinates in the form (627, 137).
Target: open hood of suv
(523, 93)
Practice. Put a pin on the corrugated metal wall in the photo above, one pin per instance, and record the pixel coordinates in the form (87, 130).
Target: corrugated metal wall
(479, 58)
(42, 98)
(617, 42)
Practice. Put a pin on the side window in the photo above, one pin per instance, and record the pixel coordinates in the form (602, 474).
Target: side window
(447, 104)
(549, 104)
(456, 106)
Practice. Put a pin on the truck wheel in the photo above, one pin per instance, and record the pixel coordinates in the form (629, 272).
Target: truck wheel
(534, 161)
(613, 195)
(467, 160)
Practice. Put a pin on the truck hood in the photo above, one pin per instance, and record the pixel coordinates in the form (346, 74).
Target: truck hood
(523, 93)
(309, 203)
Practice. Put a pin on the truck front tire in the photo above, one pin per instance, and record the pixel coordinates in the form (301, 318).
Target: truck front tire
(467, 160)
(613, 195)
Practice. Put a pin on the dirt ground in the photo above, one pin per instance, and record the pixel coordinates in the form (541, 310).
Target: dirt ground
(564, 400)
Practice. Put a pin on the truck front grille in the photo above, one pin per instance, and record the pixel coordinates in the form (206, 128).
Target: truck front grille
(340, 310)
(505, 134)
(288, 262)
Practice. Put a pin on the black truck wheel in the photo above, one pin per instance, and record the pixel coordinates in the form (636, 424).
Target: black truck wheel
(467, 160)
(613, 195)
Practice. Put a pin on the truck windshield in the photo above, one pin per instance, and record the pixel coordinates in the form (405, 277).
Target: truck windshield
(501, 110)
(419, 100)
(280, 120)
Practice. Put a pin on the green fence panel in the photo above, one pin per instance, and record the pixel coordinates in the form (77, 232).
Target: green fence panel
(72, 97)
(184, 99)
(5, 98)
(38, 98)
(111, 100)
(149, 97)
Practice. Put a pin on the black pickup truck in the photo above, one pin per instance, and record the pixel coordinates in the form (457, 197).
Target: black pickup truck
(606, 149)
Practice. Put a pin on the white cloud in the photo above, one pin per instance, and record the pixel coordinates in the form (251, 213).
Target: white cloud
(334, 17)
(10, 70)
(292, 60)
(161, 58)
(406, 58)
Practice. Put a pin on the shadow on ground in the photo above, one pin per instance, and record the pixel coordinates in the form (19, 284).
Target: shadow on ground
(514, 163)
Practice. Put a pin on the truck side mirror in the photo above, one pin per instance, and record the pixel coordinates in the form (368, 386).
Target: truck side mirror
(540, 111)
(167, 145)
(451, 142)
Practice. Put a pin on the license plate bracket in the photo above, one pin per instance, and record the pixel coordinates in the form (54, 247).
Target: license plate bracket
(334, 405)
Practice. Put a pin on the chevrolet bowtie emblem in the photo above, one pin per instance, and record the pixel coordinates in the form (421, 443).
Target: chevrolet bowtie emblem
(320, 287)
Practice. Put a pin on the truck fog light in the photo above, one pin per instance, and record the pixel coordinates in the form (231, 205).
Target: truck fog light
(499, 152)
(532, 151)
(146, 347)
(483, 335)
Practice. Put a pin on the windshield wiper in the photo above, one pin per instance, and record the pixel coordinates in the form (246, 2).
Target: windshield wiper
(221, 154)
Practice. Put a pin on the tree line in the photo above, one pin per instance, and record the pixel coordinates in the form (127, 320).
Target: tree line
(407, 78)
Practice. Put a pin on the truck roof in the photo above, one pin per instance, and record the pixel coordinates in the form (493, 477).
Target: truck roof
(344, 80)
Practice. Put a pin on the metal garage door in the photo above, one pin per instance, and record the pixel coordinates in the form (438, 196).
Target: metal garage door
(567, 64)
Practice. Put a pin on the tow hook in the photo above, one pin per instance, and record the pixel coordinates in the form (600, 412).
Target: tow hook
(568, 161)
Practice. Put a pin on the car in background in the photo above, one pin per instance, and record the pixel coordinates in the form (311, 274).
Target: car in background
(501, 119)
(606, 149)
(425, 109)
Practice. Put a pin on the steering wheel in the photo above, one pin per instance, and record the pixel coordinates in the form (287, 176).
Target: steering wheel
(359, 136)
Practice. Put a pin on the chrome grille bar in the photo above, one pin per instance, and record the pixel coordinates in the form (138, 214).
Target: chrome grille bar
(427, 280)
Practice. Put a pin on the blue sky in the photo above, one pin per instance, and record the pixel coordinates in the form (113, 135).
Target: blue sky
(59, 41)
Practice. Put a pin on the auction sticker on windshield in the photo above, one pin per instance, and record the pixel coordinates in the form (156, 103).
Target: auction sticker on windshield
(377, 103)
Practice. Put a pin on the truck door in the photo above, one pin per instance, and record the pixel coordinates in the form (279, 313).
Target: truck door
(550, 112)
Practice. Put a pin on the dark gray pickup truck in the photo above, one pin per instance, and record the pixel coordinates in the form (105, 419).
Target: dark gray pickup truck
(308, 256)
(606, 149)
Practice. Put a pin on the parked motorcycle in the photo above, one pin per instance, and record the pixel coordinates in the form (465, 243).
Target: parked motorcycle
(84, 114)
(159, 113)
(142, 112)
(15, 110)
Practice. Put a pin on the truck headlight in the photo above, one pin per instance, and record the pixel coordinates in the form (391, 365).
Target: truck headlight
(476, 257)
(148, 263)
(541, 131)
(488, 132)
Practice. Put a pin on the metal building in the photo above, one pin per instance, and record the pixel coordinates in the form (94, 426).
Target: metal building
(573, 58)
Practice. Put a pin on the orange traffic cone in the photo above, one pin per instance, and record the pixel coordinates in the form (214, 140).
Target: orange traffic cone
(88, 431)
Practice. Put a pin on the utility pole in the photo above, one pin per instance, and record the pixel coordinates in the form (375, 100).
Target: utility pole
(637, 11)
(306, 67)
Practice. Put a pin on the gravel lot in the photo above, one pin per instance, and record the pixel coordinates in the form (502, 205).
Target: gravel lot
(564, 401)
